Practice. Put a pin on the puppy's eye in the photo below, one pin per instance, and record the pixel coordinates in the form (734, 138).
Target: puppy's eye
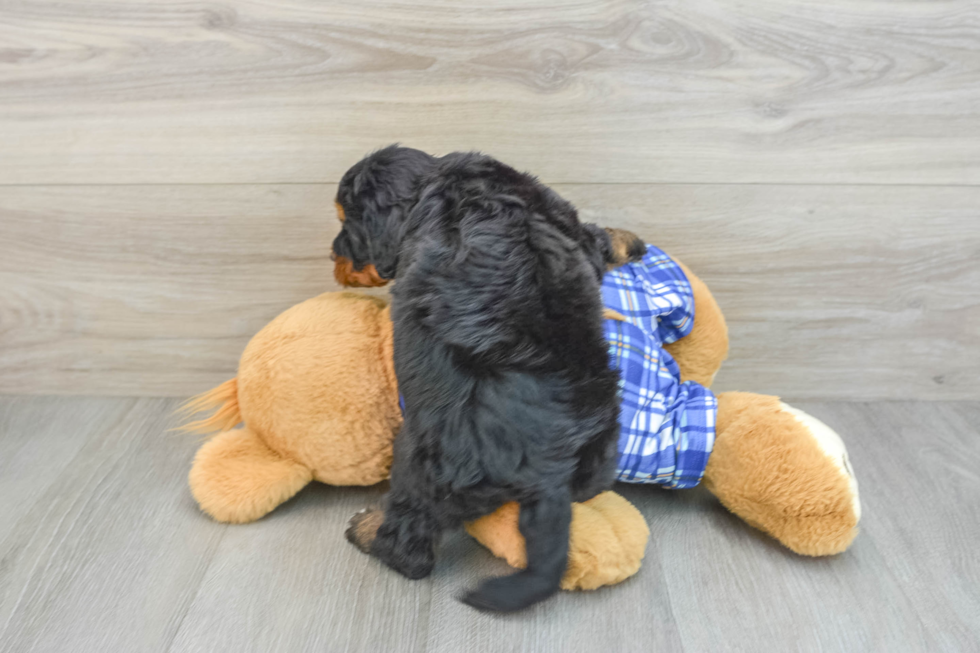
(340, 212)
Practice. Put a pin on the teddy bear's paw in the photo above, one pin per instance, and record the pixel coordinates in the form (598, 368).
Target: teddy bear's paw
(363, 528)
(833, 447)
(608, 539)
(236, 478)
(784, 472)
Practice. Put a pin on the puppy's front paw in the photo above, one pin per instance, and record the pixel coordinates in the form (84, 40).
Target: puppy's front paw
(363, 527)
(627, 247)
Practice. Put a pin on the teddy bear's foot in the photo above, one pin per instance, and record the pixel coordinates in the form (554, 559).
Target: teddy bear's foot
(783, 472)
(236, 478)
(607, 541)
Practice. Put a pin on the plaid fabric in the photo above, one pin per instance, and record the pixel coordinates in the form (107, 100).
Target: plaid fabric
(667, 427)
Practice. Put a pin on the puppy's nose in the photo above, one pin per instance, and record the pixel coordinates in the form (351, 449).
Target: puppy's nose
(333, 256)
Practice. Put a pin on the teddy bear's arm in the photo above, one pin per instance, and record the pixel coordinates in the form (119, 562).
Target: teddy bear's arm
(700, 354)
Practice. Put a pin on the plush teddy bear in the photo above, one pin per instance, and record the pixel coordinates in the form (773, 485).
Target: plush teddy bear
(317, 397)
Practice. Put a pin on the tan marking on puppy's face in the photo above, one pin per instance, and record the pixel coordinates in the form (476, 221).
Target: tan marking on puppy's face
(340, 212)
(366, 277)
(363, 528)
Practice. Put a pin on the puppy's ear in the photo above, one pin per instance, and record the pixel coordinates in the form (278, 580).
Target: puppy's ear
(351, 253)
(613, 247)
(386, 230)
(382, 186)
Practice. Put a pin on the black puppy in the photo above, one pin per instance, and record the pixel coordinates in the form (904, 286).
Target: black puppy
(499, 354)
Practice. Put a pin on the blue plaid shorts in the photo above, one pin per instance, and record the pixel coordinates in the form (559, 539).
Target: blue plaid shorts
(667, 428)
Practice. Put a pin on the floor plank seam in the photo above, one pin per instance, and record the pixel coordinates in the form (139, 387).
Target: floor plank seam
(197, 590)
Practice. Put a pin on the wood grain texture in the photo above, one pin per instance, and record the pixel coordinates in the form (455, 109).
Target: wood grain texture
(845, 91)
(144, 290)
(111, 554)
(291, 582)
(106, 551)
(851, 293)
(829, 292)
(903, 584)
(36, 429)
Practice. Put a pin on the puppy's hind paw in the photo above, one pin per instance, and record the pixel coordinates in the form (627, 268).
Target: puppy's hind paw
(363, 527)
(626, 247)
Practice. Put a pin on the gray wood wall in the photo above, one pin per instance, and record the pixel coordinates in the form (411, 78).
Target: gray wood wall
(167, 169)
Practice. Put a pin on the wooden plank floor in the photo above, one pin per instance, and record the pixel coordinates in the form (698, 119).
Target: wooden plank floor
(103, 549)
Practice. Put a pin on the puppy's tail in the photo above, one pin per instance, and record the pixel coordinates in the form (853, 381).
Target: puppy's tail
(544, 523)
(224, 398)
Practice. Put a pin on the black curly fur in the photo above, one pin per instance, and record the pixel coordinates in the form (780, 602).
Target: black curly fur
(499, 354)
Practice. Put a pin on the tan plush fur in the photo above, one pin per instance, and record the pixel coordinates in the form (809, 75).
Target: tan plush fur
(766, 466)
(701, 353)
(767, 469)
(318, 386)
(236, 478)
(223, 400)
(607, 542)
(317, 393)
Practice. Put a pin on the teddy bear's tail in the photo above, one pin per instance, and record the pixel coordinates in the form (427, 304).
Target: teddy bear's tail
(223, 400)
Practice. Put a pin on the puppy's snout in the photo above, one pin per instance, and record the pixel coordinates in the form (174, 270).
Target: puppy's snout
(366, 277)
(333, 256)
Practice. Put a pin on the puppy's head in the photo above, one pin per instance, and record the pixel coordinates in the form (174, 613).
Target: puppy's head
(372, 200)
